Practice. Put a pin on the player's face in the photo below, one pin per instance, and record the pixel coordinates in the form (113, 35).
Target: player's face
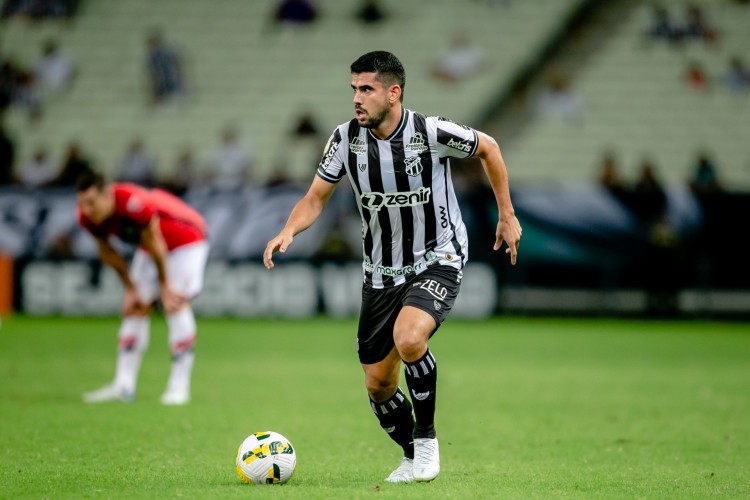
(95, 204)
(370, 100)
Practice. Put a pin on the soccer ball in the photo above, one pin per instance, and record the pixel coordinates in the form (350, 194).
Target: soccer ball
(266, 458)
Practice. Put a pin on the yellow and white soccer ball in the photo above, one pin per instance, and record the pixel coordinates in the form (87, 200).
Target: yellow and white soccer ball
(266, 458)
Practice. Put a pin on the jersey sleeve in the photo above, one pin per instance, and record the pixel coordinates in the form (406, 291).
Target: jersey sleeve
(137, 207)
(455, 140)
(331, 166)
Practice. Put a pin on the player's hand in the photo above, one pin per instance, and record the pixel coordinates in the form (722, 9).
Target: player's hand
(131, 303)
(279, 244)
(171, 301)
(508, 230)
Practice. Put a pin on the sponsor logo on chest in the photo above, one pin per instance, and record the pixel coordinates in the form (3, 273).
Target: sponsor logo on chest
(358, 146)
(376, 201)
(416, 144)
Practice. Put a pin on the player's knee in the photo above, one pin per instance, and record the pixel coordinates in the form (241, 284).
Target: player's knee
(411, 344)
(380, 388)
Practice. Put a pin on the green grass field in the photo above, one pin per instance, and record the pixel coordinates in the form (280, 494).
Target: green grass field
(527, 408)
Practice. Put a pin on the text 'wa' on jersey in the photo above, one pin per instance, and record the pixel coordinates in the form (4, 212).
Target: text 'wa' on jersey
(135, 207)
(403, 188)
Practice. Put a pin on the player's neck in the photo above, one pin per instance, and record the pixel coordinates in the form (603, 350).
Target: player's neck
(390, 123)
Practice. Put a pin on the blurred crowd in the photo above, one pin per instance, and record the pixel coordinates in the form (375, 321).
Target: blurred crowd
(29, 87)
(231, 163)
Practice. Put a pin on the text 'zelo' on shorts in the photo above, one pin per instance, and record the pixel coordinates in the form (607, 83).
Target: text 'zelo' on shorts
(434, 291)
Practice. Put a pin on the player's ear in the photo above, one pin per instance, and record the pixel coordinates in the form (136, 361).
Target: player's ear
(394, 94)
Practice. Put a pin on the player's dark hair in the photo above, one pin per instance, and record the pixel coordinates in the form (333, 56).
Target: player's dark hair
(89, 180)
(387, 66)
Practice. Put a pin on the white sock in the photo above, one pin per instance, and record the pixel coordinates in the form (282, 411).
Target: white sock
(181, 340)
(133, 340)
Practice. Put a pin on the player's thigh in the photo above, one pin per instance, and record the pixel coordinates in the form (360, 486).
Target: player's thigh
(413, 327)
(433, 293)
(378, 313)
(145, 277)
(186, 267)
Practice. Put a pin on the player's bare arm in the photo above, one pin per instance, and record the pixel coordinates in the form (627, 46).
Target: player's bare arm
(153, 241)
(508, 227)
(130, 301)
(304, 214)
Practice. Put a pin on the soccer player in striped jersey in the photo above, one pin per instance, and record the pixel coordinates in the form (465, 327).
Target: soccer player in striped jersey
(414, 243)
(168, 264)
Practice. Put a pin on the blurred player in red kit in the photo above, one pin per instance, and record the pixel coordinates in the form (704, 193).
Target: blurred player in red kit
(168, 264)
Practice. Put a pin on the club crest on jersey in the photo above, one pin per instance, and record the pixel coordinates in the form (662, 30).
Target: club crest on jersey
(134, 204)
(413, 165)
(416, 144)
(362, 166)
(358, 146)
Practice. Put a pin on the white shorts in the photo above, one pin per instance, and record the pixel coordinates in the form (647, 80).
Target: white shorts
(185, 268)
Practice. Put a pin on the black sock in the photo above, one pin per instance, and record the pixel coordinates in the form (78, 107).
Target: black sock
(421, 377)
(396, 419)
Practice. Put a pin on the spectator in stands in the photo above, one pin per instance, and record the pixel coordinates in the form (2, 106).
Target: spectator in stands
(185, 173)
(609, 176)
(7, 157)
(74, 166)
(737, 78)
(650, 200)
(231, 162)
(662, 26)
(560, 102)
(39, 9)
(461, 60)
(661, 269)
(54, 69)
(7, 83)
(697, 26)
(696, 77)
(137, 166)
(295, 12)
(306, 126)
(39, 171)
(705, 179)
(165, 69)
(17, 88)
(370, 12)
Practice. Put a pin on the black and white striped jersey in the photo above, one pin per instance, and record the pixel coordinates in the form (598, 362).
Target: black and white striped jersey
(402, 184)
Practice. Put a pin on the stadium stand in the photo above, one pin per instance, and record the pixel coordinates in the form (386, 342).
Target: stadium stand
(638, 105)
(241, 71)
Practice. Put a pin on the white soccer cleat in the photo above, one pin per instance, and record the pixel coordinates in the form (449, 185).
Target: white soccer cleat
(426, 459)
(175, 398)
(109, 393)
(404, 473)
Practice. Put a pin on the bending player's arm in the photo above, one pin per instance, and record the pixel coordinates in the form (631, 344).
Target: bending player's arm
(508, 227)
(112, 258)
(303, 215)
(130, 301)
(153, 241)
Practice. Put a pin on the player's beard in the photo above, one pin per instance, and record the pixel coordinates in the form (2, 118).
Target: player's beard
(376, 120)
